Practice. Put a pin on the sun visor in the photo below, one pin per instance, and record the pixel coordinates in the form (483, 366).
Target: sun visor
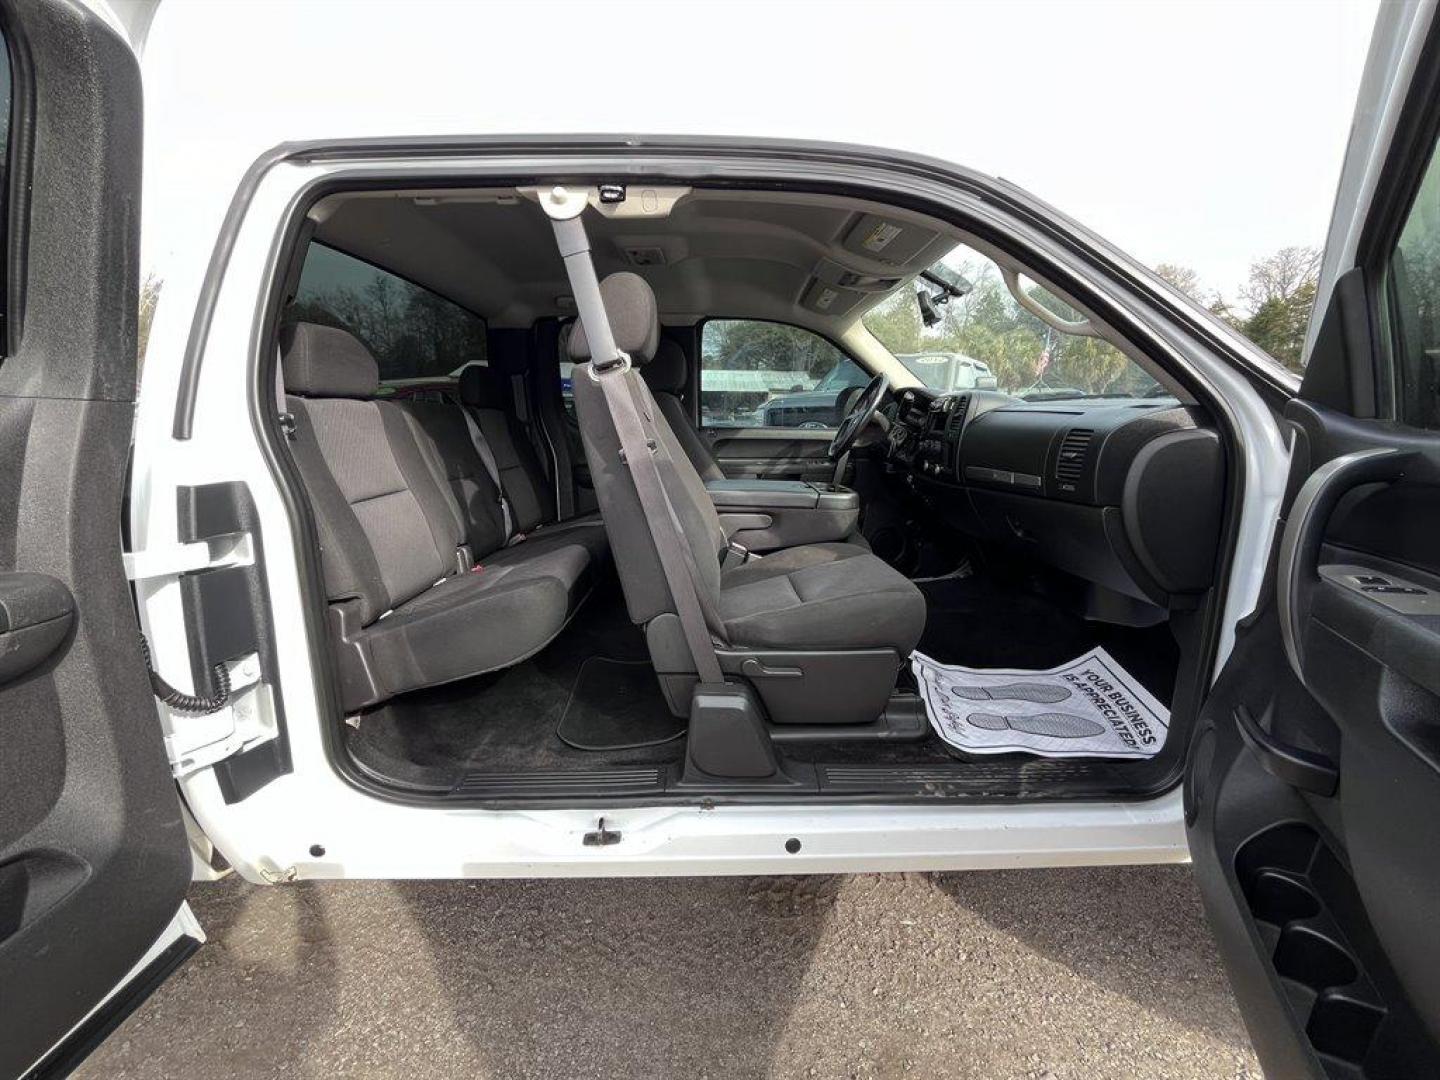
(880, 238)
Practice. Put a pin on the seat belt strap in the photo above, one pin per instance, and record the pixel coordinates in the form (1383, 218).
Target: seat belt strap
(609, 367)
(487, 458)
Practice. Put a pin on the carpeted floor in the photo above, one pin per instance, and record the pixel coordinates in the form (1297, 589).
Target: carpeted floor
(507, 722)
(978, 621)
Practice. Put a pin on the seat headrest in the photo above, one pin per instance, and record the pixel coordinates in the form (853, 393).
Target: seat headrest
(325, 361)
(485, 387)
(634, 318)
(667, 371)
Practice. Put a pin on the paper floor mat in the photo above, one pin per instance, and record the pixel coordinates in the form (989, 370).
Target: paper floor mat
(1089, 707)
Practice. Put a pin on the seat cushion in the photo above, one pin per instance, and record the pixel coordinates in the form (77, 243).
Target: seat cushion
(508, 609)
(821, 596)
(587, 531)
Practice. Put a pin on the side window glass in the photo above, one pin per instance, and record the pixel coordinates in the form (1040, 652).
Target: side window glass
(765, 374)
(412, 332)
(1414, 285)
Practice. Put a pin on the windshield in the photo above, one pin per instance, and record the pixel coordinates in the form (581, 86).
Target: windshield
(985, 340)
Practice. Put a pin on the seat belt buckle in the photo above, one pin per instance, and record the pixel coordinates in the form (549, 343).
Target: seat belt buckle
(738, 549)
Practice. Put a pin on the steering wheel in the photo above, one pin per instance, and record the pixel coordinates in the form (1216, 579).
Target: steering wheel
(858, 416)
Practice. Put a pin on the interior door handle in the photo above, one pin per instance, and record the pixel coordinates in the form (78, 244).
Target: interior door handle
(36, 611)
(1305, 531)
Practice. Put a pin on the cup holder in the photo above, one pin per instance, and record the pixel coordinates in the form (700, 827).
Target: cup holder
(1343, 1028)
(1316, 961)
(1278, 899)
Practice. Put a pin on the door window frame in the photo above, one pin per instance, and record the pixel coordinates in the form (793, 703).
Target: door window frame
(697, 371)
(1398, 187)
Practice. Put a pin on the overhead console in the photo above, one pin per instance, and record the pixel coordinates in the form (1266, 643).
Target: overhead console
(1123, 493)
(876, 253)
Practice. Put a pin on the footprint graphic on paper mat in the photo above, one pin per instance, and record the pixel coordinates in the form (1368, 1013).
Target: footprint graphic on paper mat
(1037, 693)
(1057, 725)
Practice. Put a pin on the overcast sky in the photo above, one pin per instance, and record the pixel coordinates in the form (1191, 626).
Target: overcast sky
(1201, 134)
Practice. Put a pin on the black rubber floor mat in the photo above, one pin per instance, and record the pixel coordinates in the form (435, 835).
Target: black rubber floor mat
(616, 705)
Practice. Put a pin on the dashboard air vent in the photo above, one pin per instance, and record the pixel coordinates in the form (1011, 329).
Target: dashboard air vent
(955, 418)
(1073, 449)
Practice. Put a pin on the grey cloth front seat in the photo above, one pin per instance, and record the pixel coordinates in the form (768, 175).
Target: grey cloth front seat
(668, 373)
(813, 598)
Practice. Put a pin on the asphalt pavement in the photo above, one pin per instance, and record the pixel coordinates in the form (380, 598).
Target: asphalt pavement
(1035, 974)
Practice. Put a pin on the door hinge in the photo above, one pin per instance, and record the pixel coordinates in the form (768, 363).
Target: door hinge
(202, 729)
(248, 719)
(172, 560)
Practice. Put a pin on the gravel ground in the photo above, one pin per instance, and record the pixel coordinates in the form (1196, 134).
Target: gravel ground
(1053, 974)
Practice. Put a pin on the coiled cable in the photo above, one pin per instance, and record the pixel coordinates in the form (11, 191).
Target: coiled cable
(188, 703)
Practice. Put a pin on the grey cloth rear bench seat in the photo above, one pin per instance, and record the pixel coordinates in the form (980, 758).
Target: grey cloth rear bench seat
(420, 584)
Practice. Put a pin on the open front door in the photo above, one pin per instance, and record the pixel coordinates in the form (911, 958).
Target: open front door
(1313, 786)
(93, 858)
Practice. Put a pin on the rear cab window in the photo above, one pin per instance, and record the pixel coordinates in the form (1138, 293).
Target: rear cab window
(767, 374)
(415, 335)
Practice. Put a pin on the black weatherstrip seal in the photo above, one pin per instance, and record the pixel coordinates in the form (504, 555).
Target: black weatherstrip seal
(66, 1057)
(227, 616)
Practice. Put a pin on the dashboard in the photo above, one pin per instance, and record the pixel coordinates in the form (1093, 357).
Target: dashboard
(1125, 493)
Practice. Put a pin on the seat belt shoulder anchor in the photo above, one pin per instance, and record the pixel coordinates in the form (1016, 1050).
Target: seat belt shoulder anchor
(619, 362)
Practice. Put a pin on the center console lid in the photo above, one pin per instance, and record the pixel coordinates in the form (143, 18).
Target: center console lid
(765, 515)
(781, 494)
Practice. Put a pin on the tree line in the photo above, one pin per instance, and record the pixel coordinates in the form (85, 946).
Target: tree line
(1274, 302)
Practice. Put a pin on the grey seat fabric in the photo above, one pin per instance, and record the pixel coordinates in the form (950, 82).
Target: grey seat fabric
(815, 595)
(487, 393)
(668, 373)
(456, 464)
(390, 529)
(506, 609)
(824, 596)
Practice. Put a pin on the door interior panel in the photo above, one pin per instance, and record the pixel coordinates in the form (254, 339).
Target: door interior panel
(1314, 800)
(93, 857)
(773, 453)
